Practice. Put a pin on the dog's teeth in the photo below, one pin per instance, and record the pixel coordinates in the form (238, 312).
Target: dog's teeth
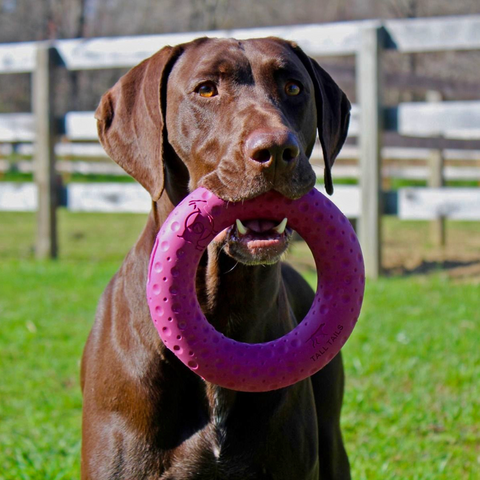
(242, 230)
(280, 228)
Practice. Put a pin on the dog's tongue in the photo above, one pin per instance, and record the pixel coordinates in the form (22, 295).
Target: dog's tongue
(259, 226)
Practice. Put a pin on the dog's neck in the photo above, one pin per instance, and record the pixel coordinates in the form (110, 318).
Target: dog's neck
(239, 300)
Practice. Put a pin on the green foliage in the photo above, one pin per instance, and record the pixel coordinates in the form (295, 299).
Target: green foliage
(411, 411)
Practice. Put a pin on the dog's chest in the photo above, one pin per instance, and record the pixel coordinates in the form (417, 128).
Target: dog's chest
(243, 441)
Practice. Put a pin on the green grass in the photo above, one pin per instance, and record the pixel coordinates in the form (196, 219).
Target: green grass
(46, 310)
(82, 236)
(397, 183)
(13, 176)
(412, 403)
(411, 411)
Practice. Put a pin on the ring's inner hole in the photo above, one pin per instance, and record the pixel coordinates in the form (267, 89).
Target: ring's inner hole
(300, 257)
(233, 276)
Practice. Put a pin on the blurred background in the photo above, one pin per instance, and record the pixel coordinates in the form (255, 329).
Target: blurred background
(437, 145)
(24, 21)
(412, 407)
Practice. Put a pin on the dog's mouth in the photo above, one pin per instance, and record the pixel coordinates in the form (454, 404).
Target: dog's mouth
(256, 241)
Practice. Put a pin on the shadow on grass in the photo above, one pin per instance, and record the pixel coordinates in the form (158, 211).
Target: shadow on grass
(455, 269)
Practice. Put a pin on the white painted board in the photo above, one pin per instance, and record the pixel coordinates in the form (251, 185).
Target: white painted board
(459, 120)
(414, 203)
(340, 38)
(431, 203)
(448, 119)
(18, 197)
(435, 33)
(81, 126)
(108, 198)
(346, 198)
(18, 57)
(17, 127)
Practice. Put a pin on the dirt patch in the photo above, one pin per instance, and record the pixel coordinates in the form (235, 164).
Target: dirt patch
(410, 248)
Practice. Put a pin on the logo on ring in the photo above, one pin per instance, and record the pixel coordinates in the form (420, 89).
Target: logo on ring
(198, 228)
(314, 338)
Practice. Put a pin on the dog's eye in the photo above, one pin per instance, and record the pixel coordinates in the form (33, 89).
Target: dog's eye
(207, 89)
(292, 89)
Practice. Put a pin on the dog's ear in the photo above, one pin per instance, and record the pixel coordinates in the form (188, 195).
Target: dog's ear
(333, 113)
(131, 120)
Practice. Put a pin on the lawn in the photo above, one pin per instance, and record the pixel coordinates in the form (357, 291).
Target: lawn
(412, 402)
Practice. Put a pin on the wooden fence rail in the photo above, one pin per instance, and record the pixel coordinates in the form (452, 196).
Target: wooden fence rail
(407, 203)
(342, 38)
(450, 120)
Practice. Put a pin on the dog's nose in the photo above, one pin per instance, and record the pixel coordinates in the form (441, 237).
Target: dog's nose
(275, 148)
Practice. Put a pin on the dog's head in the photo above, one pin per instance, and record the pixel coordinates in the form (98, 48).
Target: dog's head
(237, 117)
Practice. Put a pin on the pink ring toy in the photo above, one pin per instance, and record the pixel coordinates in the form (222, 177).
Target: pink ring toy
(300, 353)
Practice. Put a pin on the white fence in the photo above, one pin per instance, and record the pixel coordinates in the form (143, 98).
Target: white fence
(366, 40)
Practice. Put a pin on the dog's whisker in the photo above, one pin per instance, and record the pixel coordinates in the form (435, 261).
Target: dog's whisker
(231, 270)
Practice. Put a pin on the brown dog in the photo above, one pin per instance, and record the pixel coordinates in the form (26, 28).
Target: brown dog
(239, 118)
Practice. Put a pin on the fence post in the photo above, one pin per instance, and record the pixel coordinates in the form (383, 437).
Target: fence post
(369, 95)
(436, 179)
(44, 154)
